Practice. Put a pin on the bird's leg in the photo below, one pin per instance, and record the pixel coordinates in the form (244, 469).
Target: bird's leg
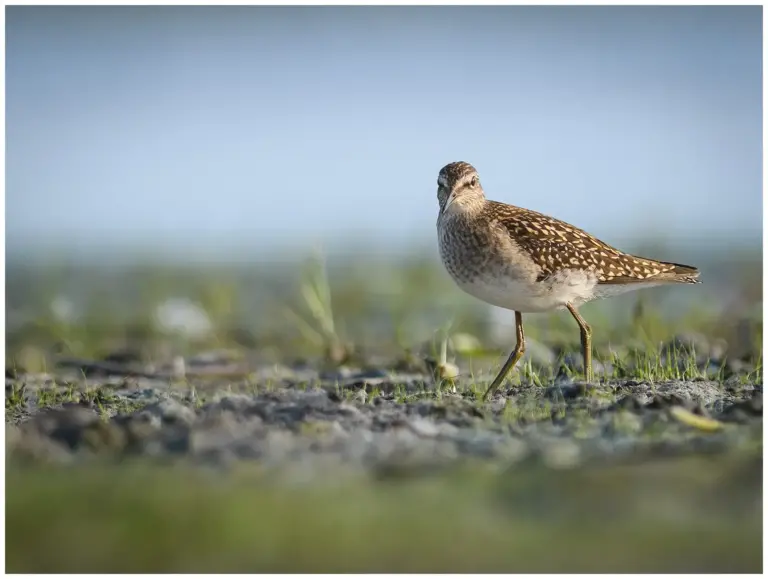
(586, 341)
(516, 354)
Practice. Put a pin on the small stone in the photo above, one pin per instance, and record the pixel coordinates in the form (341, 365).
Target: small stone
(745, 410)
(65, 424)
(423, 427)
(140, 428)
(172, 412)
(178, 439)
(349, 410)
(567, 390)
(235, 402)
(68, 416)
(630, 403)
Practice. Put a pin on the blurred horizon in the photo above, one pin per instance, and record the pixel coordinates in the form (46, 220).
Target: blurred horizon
(238, 131)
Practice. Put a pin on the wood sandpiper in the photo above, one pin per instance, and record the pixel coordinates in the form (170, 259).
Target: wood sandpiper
(525, 261)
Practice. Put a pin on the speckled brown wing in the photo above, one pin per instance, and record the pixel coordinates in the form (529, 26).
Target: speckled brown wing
(555, 245)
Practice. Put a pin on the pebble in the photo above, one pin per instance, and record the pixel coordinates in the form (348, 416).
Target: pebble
(170, 411)
(424, 427)
(231, 402)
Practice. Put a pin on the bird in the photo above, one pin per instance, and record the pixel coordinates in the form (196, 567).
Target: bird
(528, 262)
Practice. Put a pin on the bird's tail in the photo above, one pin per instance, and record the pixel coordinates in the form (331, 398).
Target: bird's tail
(680, 273)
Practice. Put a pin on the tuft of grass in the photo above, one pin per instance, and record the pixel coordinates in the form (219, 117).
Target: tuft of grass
(321, 331)
(15, 397)
(661, 364)
(53, 396)
(400, 393)
(756, 375)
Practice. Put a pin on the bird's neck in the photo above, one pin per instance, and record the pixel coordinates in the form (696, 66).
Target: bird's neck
(466, 206)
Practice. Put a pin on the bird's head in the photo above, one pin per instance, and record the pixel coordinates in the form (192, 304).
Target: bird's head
(458, 183)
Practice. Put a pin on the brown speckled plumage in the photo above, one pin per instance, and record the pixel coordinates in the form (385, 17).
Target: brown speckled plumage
(525, 261)
(555, 245)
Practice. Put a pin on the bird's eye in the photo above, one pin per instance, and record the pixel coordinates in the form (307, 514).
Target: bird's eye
(473, 181)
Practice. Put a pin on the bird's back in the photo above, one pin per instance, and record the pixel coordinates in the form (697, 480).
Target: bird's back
(554, 245)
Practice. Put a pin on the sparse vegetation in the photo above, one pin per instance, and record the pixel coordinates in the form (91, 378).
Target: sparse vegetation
(408, 358)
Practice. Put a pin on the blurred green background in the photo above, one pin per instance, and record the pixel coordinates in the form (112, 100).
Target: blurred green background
(296, 305)
(701, 514)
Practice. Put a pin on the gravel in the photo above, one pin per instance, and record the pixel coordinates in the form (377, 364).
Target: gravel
(371, 420)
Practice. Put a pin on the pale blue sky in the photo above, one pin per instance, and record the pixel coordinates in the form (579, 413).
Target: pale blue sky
(181, 127)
